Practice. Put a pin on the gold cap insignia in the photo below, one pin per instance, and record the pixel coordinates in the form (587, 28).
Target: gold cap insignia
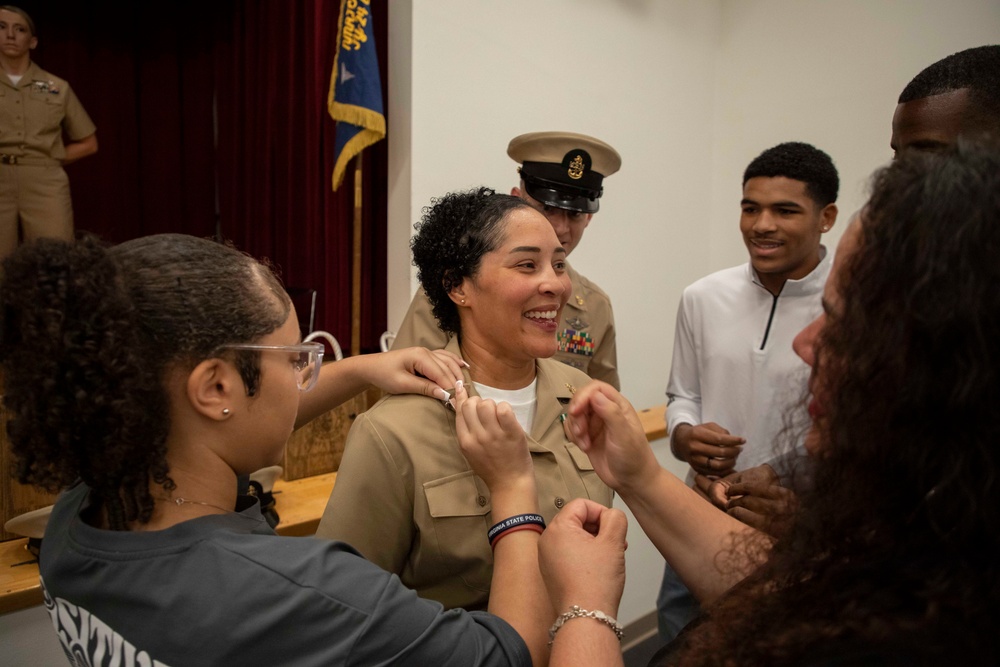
(576, 168)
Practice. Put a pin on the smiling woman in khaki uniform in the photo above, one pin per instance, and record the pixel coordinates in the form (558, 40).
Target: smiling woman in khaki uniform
(36, 108)
(562, 176)
(495, 273)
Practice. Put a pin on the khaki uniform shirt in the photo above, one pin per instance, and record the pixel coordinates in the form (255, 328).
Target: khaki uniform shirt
(586, 335)
(35, 112)
(407, 499)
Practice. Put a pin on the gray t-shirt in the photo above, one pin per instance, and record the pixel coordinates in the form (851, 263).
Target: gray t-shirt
(225, 590)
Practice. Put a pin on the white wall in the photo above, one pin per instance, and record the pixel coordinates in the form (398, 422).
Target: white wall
(688, 91)
(828, 73)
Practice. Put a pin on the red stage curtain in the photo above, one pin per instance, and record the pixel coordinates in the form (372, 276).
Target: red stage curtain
(212, 121)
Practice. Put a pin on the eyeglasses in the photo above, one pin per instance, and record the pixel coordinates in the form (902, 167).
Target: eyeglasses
(306, 366)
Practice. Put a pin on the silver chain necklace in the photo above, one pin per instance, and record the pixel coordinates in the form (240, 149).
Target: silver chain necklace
(185, 501)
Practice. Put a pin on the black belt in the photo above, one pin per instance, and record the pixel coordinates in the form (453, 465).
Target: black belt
(8, 159)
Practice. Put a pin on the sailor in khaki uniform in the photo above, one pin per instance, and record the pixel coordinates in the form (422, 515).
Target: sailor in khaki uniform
(407, 499)
(36, 109)
(562, 176)
(495, 272)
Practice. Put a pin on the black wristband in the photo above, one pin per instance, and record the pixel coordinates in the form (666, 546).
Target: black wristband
(512, 522)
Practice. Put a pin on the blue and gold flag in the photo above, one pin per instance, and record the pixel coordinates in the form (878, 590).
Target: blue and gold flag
(355, 99)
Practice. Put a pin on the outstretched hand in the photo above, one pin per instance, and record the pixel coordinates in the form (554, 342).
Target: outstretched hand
(582, 557)
(492, 441)
(709, 448)
(605, 425)
(416, 370)
(754, 496)
(413, 370)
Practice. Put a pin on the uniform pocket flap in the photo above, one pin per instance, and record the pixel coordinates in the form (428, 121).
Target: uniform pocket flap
(457, 495)
(580, 457)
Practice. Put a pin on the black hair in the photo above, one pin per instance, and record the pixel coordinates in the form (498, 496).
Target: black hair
(801, 162)
(88, 335)
(452, 237)
(977, 69)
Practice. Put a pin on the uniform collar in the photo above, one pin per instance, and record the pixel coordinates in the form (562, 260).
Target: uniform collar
(553, 397)
(552, 394)
(33, 73)
(578, 296)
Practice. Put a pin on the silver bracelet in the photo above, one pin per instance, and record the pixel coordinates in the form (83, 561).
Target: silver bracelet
(576, 612)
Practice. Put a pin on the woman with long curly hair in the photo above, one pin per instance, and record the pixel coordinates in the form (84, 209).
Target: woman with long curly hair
(495, 274)
(144, 379)
(890, 558)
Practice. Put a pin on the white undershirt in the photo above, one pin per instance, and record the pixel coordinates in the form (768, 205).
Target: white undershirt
(523, 401)
(15, 78)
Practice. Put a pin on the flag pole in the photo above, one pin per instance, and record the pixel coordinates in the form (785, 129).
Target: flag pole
(355, 104)
(356, 264)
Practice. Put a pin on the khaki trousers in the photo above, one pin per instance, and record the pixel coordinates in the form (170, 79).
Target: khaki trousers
(37, 197)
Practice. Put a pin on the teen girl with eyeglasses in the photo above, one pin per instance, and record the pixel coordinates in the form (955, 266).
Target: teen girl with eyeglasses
(143, 379)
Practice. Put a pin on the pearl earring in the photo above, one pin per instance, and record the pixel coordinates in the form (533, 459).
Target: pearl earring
(225, 411)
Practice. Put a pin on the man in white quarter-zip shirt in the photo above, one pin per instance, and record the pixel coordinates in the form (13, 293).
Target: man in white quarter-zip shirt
(734, 374)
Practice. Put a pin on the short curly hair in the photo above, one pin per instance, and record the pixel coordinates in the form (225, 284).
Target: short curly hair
(87, 337)
(977, 69)
(452, 237)
(801, 162)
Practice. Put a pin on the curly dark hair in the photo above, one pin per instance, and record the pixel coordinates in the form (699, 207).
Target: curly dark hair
(894, 549)
(977, 69)
(452, 237)
(88, 334)
(801, 162)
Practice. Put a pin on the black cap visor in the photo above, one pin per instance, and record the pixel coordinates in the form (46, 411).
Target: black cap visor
(560, 196)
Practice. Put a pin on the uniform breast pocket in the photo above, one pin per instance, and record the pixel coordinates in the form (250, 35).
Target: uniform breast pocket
(45, 109)
(597, 490)
(459, 511)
